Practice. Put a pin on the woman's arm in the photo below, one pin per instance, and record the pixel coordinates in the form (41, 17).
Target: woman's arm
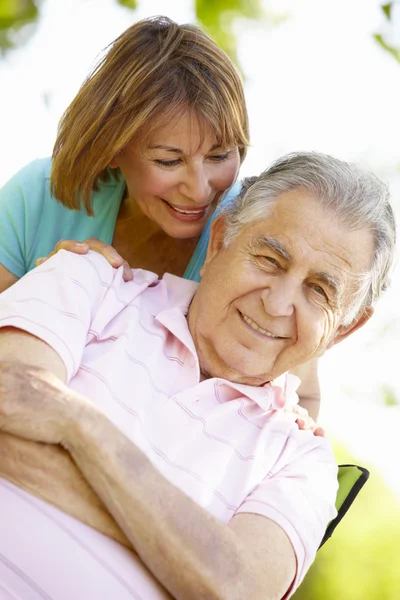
(309, 391)
(6, 278)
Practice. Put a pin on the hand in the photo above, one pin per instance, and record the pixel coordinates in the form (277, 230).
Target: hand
(36, 405)
(106, 250)
(304, 421)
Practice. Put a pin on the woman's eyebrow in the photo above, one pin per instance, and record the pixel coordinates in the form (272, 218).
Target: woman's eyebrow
(168, 148)
(179, 150)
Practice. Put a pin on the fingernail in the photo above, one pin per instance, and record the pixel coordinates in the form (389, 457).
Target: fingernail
(81, 245)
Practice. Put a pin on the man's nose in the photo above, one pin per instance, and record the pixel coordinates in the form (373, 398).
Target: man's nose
(196, 186)
(279, 297)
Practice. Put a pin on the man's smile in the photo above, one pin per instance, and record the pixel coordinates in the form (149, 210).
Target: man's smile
(260, 329)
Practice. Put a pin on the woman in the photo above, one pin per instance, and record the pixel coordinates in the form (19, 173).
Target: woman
(144, 153)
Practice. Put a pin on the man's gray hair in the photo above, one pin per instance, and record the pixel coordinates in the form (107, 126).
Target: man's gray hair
(354, 197)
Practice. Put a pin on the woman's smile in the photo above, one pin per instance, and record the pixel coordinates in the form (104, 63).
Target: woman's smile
(186, 213)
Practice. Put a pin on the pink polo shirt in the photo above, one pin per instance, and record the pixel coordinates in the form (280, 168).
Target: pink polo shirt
(230, 447)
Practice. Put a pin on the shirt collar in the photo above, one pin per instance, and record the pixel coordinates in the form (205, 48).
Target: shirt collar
(277, 394)
(177, 294)
(175, 297)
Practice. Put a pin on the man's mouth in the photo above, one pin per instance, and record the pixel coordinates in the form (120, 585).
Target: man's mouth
(259, 329)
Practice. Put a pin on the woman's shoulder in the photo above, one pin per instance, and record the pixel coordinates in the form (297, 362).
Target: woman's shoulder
(27, 184)
(37, 171)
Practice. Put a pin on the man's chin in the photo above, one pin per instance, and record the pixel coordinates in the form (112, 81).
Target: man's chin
(235, 376)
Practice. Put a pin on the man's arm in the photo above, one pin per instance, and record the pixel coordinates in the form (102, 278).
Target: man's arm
(21, 347)
(47, 471)
(191, 553)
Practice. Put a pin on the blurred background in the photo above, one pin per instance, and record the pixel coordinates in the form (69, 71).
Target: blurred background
(319, 75)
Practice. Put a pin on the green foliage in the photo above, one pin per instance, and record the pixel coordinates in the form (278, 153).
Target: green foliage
(395, 52)
(14, 15)
(219, 16)
(390, 396)
(361, 561)
(132, 4)
(387, 10)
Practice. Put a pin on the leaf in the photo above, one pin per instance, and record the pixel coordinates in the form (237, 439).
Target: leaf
(395, 52)
(387, 10)
(390, 398)
(132, 4)
(16, 13)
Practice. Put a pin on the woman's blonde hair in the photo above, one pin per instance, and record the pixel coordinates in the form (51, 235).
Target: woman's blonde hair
(154, 71)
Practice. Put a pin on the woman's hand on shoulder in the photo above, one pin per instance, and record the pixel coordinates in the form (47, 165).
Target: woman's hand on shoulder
(304, 421)
(109, 253)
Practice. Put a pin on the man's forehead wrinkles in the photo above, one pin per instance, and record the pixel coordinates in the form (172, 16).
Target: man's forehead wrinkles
(273, 244)
(335, 251)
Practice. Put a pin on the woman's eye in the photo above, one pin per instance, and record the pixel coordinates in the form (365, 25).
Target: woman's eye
(219, 157)
(168, 163)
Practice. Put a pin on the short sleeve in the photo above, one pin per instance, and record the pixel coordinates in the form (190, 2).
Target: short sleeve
(12, 226)
(59, 301)
(300, 498)
(21, 212)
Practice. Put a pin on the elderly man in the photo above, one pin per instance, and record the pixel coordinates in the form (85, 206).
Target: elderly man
(156, 401)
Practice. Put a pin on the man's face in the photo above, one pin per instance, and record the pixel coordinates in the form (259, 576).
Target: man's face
(276, 296)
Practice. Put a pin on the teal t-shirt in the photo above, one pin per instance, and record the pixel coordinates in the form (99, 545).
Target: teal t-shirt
(199, 255)
(32, 221)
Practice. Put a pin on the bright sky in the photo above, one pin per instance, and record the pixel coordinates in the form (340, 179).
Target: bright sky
(318, 82)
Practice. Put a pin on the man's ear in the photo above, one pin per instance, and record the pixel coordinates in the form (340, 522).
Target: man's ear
(344, 331)
(216, 240)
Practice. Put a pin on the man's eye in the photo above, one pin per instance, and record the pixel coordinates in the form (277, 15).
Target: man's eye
(320, 290)
(270, 260)
(168, 163)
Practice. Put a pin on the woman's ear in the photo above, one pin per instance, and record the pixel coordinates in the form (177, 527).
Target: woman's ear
(113, 164)
(216, 240)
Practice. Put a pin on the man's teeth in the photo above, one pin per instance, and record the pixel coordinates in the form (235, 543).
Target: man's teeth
(257, 328)
(186, 212)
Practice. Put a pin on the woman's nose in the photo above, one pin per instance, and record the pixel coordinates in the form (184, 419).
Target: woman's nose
(196, 187)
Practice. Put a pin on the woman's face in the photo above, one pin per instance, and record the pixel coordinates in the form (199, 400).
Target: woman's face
(178, 177)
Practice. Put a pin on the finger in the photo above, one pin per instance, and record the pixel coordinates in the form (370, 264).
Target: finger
(320, 432)
(127, 274)
(40, 261)
(72, 246)
(299, 410)
(109, 253)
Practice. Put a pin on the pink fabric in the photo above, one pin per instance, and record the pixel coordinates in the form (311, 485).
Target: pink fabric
(127, 347)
